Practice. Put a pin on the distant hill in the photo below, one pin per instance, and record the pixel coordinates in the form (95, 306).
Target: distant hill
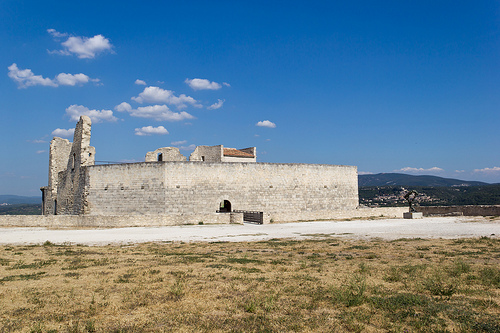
(399, 179)
(17, 199)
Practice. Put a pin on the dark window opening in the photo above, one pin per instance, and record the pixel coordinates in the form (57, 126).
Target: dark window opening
(74, 161)
(160, 157)
(55, 207)
(225, 207)
(203, 158)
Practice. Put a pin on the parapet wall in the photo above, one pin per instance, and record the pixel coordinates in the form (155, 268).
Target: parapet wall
(121, 221)
(464, 210)
(116, 221)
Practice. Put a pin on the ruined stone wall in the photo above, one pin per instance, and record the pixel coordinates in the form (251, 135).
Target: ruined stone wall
(71, 191)
(58, 160)
(207, 154)
(186, 188)
(168, 154)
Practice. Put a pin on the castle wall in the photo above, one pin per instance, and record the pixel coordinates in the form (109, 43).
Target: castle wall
(186, 188)
(135, 188)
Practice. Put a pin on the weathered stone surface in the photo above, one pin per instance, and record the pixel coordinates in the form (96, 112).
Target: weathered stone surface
(165, 154)
(412, 215)
(283, 192)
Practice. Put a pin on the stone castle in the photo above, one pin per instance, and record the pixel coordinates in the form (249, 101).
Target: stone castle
(214, 181)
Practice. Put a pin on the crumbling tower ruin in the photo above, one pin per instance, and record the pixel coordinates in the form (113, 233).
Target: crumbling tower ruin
(65, 191)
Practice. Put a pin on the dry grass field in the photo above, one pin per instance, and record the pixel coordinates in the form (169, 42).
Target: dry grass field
(326, 284)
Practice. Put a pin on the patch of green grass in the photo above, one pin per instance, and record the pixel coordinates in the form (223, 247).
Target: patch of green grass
(35, 265)
(490, 276)
(352, 292)
(244, 260)
(34, 276)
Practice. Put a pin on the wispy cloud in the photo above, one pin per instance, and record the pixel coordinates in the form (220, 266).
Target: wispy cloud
(217, 105)
(419, 170)
(365, 173)
(82, 47)
(38, 141)
(41, 151)
(64, 133)
(154, 94)
(140, 82)
(266, 123)
(202, 84)
(156, 112)
(150, 130)
(26, 78)
(181, 145)
(190, 147)
(75, 111)
(493, 170)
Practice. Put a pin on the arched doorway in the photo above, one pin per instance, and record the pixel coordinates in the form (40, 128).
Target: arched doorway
(225, 207)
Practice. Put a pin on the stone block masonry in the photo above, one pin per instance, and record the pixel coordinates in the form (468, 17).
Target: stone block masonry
(189, 187)
(215, 179)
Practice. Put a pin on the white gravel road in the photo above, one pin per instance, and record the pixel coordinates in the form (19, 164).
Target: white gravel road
(435, 227)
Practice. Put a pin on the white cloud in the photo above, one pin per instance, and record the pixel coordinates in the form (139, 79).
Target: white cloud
(25, 78)
(178, 143)
(365, 173)
(41, 151)
(123, 107)
(83, 47)
(150, 130)
(158, 95)
(190, 147)
(38, 141)
(266, 123)
(140, 82)
(156, 112)
(202, 84)
(63, 133)
(226, 84)
(65, 79)
(217, 105)
(97, 116)
(419, 170)
(56, 34)
(493, 170)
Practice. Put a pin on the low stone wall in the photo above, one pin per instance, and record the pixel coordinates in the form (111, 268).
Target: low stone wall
(120, 221)
(116, 221)
(460, 210)
(389, 212)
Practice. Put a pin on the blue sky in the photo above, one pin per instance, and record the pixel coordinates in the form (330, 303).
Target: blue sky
(388, 86)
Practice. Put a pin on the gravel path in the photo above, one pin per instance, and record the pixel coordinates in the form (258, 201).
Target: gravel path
(435, 227)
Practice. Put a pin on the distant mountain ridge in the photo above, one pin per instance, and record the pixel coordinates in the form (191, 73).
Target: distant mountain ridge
(400, 179)
(18, 199)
